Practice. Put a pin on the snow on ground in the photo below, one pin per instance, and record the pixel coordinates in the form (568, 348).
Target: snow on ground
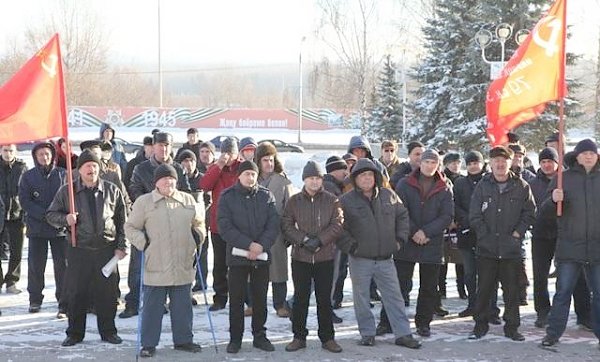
(37, 337)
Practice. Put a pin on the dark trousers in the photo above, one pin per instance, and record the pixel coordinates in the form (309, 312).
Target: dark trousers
(238, 286)
(428, 297)
(280, 294)
(132, 299)
(542, 252)
(489, 271)
(36, 268)
(470, 268)
(84, 272)
(460, 278)
(13, 234)
(303, 275)
(220, 269)
(338, 290)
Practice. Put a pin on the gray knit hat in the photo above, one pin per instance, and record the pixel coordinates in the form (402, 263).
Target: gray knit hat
(430, 155)
(312, 169)
(230, 145)
(164, 170)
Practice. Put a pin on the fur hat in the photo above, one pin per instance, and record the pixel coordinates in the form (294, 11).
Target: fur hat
(268, 149)
(164, 170)
(473, 156)
(148, 141)
(163, 137)
(89, 144)
(87, 156)
(451, 157)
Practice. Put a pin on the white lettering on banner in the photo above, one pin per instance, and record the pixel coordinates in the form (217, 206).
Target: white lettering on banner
(523, 64)
(152, 118)
(551, 45)
(514, 87)
(253, 123)
(227, 123)
(75, 117)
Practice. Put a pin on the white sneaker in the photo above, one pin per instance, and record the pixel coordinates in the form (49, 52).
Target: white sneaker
(13, 289)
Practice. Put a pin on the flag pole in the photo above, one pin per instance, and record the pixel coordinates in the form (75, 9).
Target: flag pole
(561, 108)
(63, 112)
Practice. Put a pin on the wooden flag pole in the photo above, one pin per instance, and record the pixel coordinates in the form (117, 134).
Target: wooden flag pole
(561, 151)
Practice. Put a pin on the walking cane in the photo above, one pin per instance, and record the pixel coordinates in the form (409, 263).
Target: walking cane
(203, 285)
(140, 307)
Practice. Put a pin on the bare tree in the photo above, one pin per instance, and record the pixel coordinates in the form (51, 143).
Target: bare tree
(597, 98)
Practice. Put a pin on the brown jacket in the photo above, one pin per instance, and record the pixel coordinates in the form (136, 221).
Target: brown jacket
(312, 216)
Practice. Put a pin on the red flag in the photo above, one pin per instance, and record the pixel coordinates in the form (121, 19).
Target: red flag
(32, 102)
(533, 76)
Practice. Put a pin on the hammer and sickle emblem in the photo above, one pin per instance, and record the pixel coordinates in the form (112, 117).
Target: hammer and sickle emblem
(50, 64)
(551, 44)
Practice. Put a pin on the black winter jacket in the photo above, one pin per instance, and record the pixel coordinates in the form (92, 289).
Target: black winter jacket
(432, 212)
(10, 175)
(463, 190)
(545, 223)
(245, 216)
(495, 216)
(142, 180)
(110, 215)
(332, 185)
(578, 228)
(376, 228)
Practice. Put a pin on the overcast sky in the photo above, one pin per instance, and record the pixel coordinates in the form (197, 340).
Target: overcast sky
(232, 31)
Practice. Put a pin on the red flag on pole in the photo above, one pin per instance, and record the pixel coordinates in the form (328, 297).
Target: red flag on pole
(32, 102)
(533, 76)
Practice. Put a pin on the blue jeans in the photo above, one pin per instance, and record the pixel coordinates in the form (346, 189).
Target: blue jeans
(566, 279)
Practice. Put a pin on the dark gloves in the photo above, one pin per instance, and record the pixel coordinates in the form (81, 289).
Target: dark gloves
(312, 244)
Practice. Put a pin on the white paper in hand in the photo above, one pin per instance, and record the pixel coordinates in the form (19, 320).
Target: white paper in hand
(110, 267)
(244, 253)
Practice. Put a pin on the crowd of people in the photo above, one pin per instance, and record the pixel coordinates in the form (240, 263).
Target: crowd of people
(376, 217)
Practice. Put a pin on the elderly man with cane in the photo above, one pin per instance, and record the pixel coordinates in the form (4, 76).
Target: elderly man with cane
(160, 225)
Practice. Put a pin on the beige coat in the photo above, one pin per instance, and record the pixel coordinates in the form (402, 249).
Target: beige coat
(281, 187)
(165, 224)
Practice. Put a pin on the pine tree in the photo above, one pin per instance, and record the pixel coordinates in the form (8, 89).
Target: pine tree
(386, 114)
(450, 104)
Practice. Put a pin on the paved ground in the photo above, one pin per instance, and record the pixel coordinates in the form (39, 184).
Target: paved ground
(37, 337)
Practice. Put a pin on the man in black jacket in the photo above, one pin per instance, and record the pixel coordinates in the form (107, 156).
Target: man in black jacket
(415, 149)
(578, 242)
(248, 222)
(11, 170)
(375, 227)
(501, 210)
(427, 195)
(98, 218)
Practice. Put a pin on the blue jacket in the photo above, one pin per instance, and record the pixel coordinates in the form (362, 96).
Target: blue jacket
(36, 192)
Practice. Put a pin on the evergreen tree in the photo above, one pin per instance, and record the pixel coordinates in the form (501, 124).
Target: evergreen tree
(386, 114)
(454, 79)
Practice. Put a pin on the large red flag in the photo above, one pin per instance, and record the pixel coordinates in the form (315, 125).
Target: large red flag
(533, 76)
(32, 102)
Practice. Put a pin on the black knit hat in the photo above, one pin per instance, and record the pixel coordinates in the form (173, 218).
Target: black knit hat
(163, 137)
(185, 154)
(548, 153)
(451, 157)
(473, 156)
(335, 163)
(87, 156)
(230, 145)
(312, 169)
(164, 170)
(501, 151)
(585, 145)
(247, 166)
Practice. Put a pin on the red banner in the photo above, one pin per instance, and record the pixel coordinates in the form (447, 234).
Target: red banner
(533, 76)
(32, 102)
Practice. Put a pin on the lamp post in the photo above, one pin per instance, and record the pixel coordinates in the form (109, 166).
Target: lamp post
(160, 74)
(501, 34)
(300, 92)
